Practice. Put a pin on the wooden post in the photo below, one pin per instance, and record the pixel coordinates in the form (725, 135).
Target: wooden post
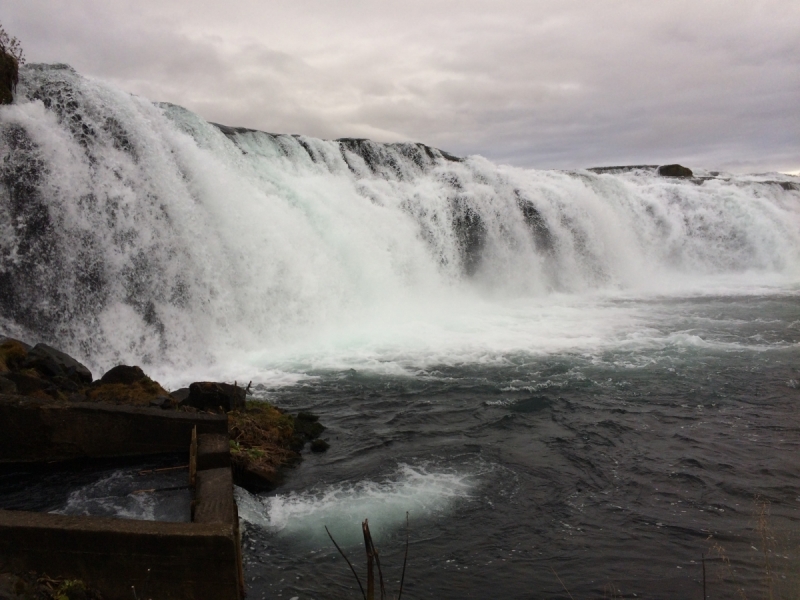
(193, 458)
(193, 469)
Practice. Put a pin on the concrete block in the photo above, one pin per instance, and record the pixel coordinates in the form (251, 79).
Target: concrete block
(213, 451)
(214, 501)
(187, 561)
(34, 430)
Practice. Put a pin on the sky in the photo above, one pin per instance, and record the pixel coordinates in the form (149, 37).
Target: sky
(543, 84)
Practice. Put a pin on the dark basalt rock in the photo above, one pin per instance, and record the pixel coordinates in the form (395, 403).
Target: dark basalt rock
(470, 231)
(256, 478)
(308, 424)
(307, 428)
(181, 395)
(9, 77)
(622, 169)
(54, 363)
(319, 446)
(542, 238)
(7, 386)
(41, 371)
(208, 395)
(123, 374)
(30, 385)
(674, 171)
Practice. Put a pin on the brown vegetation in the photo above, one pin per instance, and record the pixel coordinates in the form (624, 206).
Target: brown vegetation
(779, 563)
(33, 586)
(264, 440)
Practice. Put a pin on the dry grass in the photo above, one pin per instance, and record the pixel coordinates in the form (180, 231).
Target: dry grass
(139, 393)
(12, 353)
(33, 586)
(779, 563)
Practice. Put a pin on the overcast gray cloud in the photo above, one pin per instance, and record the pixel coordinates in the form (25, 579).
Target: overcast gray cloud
(534, 83)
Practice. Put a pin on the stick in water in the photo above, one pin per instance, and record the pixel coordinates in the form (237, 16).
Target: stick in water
(370, 560)
(405, 560)
(561, 582)
(349, 564)
(377, 559)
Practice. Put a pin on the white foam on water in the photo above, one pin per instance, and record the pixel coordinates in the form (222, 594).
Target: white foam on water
(126, 495)
(425, 493)
(110, 497)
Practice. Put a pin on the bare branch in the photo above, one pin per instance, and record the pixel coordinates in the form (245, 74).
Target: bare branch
(405, 560)
(349, 564)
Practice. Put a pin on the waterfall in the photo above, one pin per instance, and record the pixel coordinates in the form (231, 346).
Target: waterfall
(138, 232)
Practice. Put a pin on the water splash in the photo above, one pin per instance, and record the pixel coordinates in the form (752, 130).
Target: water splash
(425, 493)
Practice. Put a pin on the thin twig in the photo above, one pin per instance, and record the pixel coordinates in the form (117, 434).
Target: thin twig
(405, 560)
(148, 471)
(561, 582)
(377, 561)
(370, 560)
(704, 576)
(348, 563)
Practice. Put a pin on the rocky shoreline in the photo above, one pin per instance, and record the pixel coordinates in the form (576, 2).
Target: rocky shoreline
(265, 440)
(53, 410)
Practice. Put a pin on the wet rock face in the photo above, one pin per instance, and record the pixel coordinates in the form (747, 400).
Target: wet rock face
(542, 237)
(470, 231)
(674, 171)
(9, 77)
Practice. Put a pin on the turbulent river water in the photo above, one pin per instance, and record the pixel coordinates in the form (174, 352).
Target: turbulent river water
(574, 383)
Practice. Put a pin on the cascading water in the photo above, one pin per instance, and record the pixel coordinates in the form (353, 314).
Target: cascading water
(589, 372)
(140, 233)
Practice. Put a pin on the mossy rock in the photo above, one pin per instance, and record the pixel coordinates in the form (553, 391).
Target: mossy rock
(261, 445)
(144, 392)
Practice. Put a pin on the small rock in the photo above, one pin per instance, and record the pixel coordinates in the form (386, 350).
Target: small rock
(123, 374)
(319, 445)
(167, 402)
(7, 386)
(208, 395)
(308, 425)
(181, 395)
(674, 171)
(127, 385)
